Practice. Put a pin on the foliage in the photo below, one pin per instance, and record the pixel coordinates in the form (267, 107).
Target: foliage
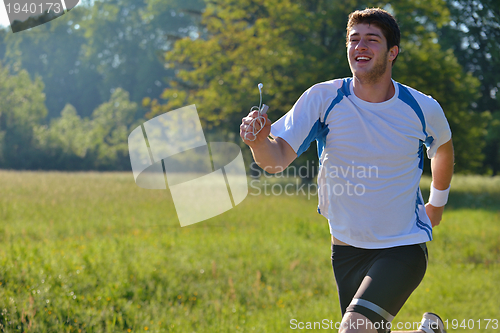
(3, 33)
(493, 143)
(98, 143)
(111, 124)
(99, 46)
(88, 59)
(124, 42)
(67, 134)
(473, 33)
(52, 52)
(21, 109)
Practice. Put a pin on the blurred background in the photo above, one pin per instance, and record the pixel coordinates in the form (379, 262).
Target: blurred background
(72, 90)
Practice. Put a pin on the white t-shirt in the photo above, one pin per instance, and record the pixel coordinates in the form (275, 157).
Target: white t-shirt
(371, 159)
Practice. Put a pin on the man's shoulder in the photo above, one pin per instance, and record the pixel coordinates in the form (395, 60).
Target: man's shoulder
(333, 85)
(426, 102)
(330, 89)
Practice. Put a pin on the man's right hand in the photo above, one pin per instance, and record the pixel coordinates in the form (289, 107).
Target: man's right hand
(272, 155)
(247, 129)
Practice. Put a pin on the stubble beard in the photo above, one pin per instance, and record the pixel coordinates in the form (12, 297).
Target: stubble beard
(375, 74)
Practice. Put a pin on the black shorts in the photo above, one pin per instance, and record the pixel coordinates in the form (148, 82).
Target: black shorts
(377, 282)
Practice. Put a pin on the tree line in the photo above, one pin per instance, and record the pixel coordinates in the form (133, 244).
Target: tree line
(75, 87)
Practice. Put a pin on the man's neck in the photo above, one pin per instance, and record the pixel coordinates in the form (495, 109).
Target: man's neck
(377, 92)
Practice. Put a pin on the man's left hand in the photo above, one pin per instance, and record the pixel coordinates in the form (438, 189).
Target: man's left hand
(435, 214)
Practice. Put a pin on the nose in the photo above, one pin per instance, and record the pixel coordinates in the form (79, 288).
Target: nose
(361, 45)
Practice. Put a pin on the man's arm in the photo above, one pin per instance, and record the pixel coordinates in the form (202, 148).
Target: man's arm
(271, 155)
(442, 171)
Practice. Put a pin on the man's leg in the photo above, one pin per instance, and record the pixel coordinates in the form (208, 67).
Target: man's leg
(387, 276)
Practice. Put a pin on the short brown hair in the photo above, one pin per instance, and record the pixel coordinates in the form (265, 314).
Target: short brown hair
(381, 19)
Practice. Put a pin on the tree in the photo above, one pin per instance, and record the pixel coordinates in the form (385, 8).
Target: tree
(96, 143)
(473, 33)
(52, 51)
(99, 46)
(125, 40)
(3, 33)
(64, 144)
(111, 123)
(290, 45)
(21, 110)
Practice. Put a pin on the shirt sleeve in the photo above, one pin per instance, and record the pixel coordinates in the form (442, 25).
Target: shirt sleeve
(301, 125)
(438, 129)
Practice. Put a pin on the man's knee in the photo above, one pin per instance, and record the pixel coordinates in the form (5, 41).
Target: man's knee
(354, 322)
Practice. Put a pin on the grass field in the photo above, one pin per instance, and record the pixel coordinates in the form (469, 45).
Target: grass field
(92, 252)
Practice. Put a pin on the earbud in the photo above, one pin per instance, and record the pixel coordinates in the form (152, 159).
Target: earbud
(259, 121)
(260, 86)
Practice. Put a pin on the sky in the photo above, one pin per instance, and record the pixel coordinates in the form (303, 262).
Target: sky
(4, 19)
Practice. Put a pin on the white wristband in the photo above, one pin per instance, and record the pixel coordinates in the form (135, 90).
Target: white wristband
(438, 198)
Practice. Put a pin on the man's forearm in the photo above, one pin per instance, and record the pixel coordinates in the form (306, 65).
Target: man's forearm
(273, 155)
(442, 166)
(442, 171)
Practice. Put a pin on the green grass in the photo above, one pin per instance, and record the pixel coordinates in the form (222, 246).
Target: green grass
(92, 252)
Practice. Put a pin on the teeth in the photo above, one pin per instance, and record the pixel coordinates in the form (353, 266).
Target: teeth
(362, 58)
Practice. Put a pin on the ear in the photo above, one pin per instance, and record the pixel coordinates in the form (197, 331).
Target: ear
(393, 52)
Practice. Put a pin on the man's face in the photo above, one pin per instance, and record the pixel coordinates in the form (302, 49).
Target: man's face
(367, 53)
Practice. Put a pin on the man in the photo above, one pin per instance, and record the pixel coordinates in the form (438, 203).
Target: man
(370, 132)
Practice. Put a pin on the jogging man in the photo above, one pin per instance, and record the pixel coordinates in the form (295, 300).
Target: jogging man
(370, 132)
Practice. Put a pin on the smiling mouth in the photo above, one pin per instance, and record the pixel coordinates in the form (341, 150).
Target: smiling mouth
(362, 58)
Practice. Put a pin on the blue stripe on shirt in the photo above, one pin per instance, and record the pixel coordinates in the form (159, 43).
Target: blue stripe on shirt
(320, 130)
(420, 223)
(407, 97)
